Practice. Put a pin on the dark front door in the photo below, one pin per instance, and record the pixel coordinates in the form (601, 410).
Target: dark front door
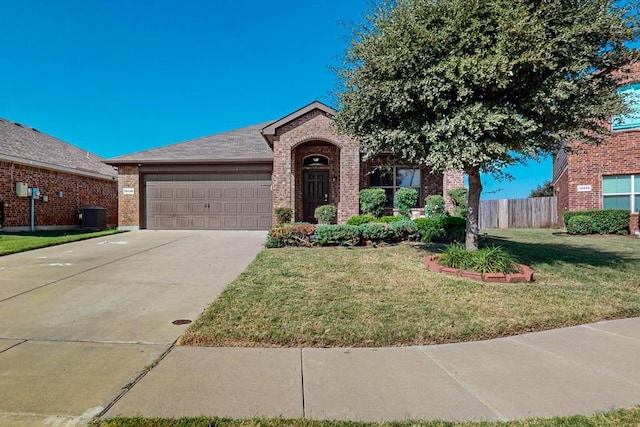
(316, 192)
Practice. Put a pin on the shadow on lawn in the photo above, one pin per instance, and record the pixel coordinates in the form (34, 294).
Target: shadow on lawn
(529, 253)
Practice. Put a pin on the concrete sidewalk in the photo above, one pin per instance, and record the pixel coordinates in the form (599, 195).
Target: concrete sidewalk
(578, 370)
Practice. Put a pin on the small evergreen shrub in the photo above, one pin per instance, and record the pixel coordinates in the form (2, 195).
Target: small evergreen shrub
(434, 205)
(405, 230)
(337, 235)
(614, 221)
(361, 219)
(377, 232)
(491, 259)
(405, 199)
(283, 215)
(460, 199)
(290, 234)
(372, 201)
(391, 218)
(580, 224)
(325, 214)
(441, 229)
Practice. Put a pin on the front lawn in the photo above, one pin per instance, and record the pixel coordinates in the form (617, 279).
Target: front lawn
(11, 243)
(371, 297)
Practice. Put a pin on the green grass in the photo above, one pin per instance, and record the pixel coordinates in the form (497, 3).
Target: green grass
(337, 297)
(619, 418)
(11, 243)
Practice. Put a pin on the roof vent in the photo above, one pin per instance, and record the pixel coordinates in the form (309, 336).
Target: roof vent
(18, 124)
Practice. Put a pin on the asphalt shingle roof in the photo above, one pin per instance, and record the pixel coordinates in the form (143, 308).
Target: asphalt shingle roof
(243, 144)
(24, 143)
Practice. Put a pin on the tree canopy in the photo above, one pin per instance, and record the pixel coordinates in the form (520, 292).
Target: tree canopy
(477, 85)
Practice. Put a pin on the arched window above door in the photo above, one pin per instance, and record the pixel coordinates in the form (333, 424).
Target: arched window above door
(316, 160)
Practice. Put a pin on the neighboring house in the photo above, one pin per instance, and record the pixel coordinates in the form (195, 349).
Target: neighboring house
(605, 176)
(68, 178)
(235, 180)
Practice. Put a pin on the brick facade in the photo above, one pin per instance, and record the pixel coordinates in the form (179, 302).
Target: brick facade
(78, 191)
(586, 165)
(128, 204)
(304, 134)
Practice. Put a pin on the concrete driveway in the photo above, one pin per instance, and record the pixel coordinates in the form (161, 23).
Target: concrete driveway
(79, 322)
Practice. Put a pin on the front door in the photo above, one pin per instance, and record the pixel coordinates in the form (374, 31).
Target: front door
(316, 192)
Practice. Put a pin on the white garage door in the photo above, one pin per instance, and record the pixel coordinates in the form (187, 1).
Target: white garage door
(239, 201)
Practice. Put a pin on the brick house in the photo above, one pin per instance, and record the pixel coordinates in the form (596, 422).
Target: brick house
(235, 180)
(67, 177)
(605, 176)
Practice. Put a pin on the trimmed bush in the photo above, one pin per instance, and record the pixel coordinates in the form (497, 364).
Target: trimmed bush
(377, 232)
(283, 215)
(325, 214)
(441, 229)
(337, 235)
(290, 235)
(615, 221)
(434, 205)
(491, 259)
(372, 201)
(405, 199)
(361, 219)
(460, 199)
(580, 224)
(405, 230)
(391, 218)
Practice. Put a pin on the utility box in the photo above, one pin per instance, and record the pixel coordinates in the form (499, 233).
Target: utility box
(94, 217)
(22, 189)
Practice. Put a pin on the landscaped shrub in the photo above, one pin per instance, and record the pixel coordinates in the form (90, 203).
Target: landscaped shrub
(290, 235)
(491, 259)
(377, 232)
(325, 214)
(392, 218)
(615, 221)
(580, 224)
(405, 230)
(441, 228)
(337, 235)
(405, 199)
(372, 201)
(361, 219)
(434, 205)
(460, 199)
(283, 215)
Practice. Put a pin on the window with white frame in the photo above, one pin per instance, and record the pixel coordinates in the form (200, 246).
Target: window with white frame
(621, 192)
(393, 178)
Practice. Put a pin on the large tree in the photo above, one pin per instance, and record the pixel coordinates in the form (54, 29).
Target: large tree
(476, 85)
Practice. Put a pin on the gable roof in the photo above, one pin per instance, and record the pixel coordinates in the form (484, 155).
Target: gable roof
(240, 145)
(26, 145)
(268, 132)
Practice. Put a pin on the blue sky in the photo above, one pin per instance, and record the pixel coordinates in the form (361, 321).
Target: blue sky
(118, 76)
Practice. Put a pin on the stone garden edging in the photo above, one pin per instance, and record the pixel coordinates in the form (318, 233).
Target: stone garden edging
(525, 275)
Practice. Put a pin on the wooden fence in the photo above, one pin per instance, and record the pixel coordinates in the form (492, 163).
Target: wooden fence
(536, 212)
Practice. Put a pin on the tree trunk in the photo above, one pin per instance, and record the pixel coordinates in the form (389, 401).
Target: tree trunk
(475, 188)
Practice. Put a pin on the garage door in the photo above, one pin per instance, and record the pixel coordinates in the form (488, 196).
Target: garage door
(208, 202)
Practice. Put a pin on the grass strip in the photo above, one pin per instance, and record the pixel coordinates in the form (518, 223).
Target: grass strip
(11, 243)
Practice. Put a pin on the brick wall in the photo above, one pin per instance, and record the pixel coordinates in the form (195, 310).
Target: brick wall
(452, 179)
(129, 204)
(77, 192)
(314, 126)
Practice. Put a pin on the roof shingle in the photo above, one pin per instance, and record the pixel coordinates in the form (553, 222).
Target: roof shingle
(22, 143)
(245, 144)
